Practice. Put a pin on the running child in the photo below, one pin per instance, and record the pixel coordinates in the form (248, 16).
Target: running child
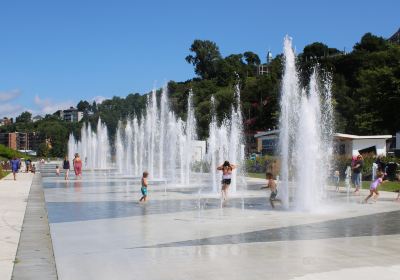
(271, 184)
(143, 189)
(373, 189)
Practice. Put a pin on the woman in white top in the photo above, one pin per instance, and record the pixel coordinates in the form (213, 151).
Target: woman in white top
(226, 169)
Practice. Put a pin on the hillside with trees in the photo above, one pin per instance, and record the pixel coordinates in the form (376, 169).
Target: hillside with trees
(365, 85)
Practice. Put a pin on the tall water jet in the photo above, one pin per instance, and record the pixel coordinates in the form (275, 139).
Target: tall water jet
(93, 147)
(212, 143)
(190, 131)
(225, 142)
(305, 136)
(157, 141)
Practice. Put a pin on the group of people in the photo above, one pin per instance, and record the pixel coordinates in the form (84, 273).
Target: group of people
(356, 167)
(77, 165)
(16, 164)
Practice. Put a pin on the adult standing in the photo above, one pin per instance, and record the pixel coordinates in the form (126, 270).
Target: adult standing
(15, 165)
(357, 168)
(77, 162)
(226, 169)
(66, 167)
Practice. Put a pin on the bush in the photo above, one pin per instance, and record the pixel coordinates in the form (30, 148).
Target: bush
(10, 153)
(259, 164)
(2, 173)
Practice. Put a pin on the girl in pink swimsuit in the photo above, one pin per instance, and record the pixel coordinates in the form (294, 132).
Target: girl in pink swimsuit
(373, 189)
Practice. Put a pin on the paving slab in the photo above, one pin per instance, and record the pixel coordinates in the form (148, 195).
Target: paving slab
(100, 231)
(35, 258)
(13, 201)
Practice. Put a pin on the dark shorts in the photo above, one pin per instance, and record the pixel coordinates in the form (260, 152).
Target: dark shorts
(144, 191)
(273, 195)
(226, 181)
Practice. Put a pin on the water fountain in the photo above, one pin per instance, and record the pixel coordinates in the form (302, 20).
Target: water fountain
(93, 147)
(158, 141)
(305, 136)
(225, 142)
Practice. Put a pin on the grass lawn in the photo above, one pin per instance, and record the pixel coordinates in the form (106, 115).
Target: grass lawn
(390, 186)
(256, 175)
(3, 174)
(387, 186)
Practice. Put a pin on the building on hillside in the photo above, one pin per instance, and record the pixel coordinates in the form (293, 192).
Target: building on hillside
(70, 115)
(6, 121)
(263, 69)
(20, 140)
(344, 144)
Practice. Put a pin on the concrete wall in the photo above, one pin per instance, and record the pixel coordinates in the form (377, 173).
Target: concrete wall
(359, 144)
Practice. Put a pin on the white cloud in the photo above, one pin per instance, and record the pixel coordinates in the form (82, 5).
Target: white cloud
(9, 95)
(10, 110)
(46, 106)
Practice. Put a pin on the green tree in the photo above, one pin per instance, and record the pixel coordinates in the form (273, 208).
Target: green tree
(251, 58)
(206, 54)
(43, 150)
(24, 117)
(371, 43)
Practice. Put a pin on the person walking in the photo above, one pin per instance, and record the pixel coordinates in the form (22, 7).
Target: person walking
(15, 165)
(66, 167)
(77, 162)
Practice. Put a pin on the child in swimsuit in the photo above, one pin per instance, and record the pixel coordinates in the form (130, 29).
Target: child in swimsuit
(226, 169)
(373, 189)
(143, 189)
(271, 184)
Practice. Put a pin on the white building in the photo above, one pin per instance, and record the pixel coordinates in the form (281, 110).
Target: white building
(70, 115)
(352, 145)
(345, 144)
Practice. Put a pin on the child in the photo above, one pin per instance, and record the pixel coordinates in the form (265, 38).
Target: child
(144, 187)
(373, 189)
(57, 170)
(271, 184)
(33, 169)
(398, 196)
(336, 179)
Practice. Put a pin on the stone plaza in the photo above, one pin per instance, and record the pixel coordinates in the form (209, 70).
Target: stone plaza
(99, 230)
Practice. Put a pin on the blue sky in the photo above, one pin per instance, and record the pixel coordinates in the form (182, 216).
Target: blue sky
(55, 53)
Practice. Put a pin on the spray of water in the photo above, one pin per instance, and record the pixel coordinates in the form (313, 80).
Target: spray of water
(305, 136)
(93, 148)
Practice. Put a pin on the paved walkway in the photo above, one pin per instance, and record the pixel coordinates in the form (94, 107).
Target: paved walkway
(35, 249)
(13, 201)
(100, 231)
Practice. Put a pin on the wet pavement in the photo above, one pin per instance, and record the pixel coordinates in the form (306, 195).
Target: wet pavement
(100, 231)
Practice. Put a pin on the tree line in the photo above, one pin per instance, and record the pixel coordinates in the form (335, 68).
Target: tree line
(365, 90)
